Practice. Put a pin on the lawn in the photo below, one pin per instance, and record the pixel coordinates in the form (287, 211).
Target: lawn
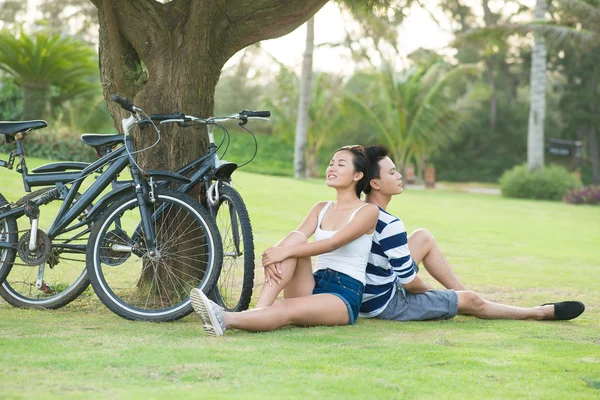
(521, 252)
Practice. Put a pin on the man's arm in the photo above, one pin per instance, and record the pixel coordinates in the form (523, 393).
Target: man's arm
(417, 285)
(394, 244)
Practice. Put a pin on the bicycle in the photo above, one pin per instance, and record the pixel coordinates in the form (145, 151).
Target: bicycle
(159, 292)
(236, 278)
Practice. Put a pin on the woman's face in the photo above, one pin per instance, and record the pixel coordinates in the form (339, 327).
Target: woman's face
(340, 172)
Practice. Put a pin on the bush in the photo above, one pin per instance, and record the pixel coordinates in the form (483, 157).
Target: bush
(61, 148)
(587, 195)
(550, 184)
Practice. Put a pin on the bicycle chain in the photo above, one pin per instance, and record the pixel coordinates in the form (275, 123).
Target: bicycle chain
(53, 241)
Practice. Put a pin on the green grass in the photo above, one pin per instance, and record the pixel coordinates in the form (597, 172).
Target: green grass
(515, 251)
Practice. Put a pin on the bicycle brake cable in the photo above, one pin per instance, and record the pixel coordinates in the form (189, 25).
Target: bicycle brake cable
(255, 145)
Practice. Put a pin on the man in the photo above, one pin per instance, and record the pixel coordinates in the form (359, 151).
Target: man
(394, 291)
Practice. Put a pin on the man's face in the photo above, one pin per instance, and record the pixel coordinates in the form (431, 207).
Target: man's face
(389, 182)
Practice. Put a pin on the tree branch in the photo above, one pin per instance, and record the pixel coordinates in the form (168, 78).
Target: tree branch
(253, 21)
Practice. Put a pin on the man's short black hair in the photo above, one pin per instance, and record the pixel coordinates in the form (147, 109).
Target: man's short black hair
(374, 154)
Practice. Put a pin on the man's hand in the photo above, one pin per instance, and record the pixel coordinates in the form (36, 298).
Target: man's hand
(417, 285)
(273, 273)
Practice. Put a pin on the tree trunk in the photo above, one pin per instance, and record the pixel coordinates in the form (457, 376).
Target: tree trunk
(35, 100)
(537, 110)
(304, 103)
(594, 155)
(168, 58)
(490, 63)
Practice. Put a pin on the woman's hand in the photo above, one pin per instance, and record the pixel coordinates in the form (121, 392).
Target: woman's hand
(274, 255)
(273, 273)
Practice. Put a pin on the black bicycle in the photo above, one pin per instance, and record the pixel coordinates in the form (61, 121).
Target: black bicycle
(233, 290)
(147, 245)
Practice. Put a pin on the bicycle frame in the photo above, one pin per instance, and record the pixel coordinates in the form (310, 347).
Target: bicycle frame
(69, 211)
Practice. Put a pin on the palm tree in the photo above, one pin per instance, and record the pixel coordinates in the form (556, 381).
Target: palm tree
(537, 108)
(304, 102)
(41, 61)
(324, 120)
(418, 111)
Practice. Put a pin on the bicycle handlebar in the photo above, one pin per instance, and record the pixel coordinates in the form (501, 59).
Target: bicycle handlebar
(180, 117)
(163, 117)
(262, 114)
(126, 104)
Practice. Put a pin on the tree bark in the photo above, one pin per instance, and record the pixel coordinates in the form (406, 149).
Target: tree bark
(594, 155)
(489, 20)
(35, 100)
(304, 102)
(537, 110)
(168, 58)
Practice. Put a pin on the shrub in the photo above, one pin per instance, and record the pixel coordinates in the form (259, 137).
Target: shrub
(550, 184)
(587, 195)
(61, 148)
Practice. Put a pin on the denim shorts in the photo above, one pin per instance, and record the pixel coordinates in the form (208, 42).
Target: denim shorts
(348, 289)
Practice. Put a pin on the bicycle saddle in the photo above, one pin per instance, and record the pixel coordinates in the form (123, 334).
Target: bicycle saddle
(96, 139)
(14, 127)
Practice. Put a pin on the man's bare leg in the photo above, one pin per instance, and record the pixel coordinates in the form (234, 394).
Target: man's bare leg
(424, 248)
(470, 303)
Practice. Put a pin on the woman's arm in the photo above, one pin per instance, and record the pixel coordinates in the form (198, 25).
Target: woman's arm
(307, 228)
(363, 222)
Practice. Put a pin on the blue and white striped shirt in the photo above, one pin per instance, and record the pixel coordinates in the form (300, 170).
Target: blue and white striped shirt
(389, 264)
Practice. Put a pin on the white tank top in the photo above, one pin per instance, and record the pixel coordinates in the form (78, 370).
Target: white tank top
(350, 259)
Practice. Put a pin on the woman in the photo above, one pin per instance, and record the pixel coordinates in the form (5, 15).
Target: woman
(332, 295)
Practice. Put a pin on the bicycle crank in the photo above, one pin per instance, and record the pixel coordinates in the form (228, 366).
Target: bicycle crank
(41, 249)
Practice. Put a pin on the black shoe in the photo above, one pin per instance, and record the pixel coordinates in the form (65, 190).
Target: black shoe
(567, 309)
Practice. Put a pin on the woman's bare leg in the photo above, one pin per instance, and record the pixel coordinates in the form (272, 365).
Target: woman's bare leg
(423, 247)
(470, 303)
(314, 310)
(295, 280)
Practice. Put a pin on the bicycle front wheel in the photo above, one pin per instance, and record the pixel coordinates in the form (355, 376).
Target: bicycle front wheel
(137, 285)
(234, 286)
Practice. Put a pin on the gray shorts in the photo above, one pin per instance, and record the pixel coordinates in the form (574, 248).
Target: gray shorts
(431, 305)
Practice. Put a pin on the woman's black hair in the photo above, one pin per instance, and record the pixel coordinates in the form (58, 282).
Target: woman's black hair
(373, 155)
(359, 161)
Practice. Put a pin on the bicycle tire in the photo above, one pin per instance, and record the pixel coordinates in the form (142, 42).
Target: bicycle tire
(233, 290)
(8, 233)
(146, 289)
(64, 282)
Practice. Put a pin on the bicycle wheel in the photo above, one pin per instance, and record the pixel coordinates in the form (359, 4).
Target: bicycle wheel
(8, 235)
(64, 273)
(136, 285)
(234, 286)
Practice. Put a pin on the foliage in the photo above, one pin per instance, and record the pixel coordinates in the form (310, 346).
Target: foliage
(326, 123)
(549, 184)
(45, 59)
(11, 100)
(54, 146)
(586, 195)
(417, 112)
(40, 62)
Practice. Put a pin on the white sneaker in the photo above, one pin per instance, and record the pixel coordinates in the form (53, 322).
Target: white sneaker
(211, 313)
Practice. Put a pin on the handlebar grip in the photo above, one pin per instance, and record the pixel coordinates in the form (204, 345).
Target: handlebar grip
(248, 113)
(164, 117)
(126, 104)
